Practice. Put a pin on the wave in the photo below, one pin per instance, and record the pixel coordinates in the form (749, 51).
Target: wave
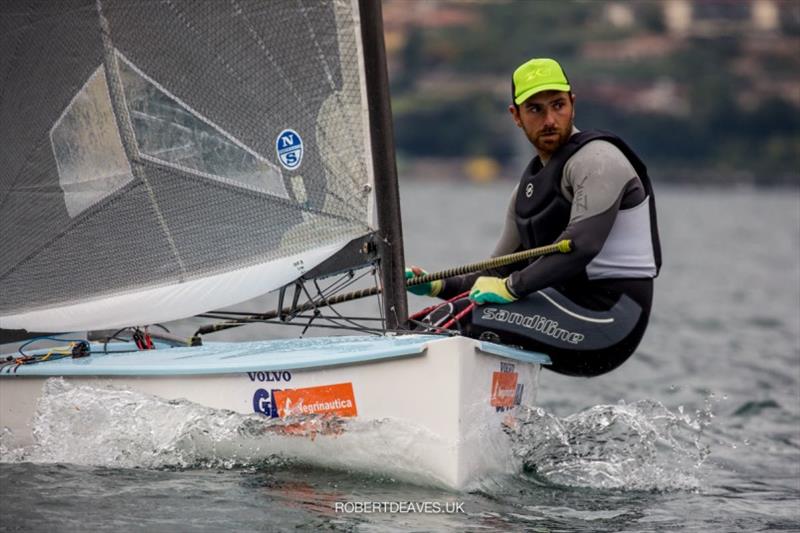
(640, 446)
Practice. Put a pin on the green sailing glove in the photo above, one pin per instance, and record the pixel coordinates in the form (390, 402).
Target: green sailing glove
(487, 289)
(431, 288)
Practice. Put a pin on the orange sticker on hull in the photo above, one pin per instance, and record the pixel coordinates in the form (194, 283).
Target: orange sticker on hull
(335, 399)
(504, 388)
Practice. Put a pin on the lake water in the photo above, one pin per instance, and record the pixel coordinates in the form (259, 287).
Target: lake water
(698, 431)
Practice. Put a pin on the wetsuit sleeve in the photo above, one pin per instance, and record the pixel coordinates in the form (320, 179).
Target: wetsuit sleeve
(598, 179)
(508, 243)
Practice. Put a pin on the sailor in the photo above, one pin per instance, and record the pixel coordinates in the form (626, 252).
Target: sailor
(587, 309)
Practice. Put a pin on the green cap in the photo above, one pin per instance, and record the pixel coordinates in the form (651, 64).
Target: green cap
(537, 75)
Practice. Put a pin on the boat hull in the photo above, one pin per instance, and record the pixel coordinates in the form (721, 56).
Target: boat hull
(451, 396)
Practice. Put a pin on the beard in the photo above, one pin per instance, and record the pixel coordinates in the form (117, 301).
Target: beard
(547, 141)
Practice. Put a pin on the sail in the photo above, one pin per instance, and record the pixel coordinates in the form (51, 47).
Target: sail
(162, 158)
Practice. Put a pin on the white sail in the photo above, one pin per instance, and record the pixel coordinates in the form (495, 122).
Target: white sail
(161, 159)
(149, 306)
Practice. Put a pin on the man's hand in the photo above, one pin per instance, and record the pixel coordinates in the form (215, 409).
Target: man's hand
(488, 289)
(431, 288)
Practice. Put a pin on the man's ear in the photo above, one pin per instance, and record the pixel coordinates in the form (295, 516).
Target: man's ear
(514, 110)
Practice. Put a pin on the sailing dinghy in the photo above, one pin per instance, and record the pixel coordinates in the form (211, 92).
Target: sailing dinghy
(163, 159)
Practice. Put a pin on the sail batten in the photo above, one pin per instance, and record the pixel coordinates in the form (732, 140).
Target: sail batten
(150, 147)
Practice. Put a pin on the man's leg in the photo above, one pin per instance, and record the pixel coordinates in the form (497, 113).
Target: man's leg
(585, 339)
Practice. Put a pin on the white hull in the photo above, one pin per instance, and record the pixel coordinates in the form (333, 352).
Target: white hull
(452, 390)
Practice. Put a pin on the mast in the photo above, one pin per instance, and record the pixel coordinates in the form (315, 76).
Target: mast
(387, 194)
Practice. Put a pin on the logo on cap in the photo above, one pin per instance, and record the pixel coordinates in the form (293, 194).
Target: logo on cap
(539, 73)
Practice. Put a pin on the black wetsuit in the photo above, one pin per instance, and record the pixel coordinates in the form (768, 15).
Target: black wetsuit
(587, 309)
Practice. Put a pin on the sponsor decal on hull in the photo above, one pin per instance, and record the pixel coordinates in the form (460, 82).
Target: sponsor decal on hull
(504, 389)
(337, 399)
(262, 402)
(282, 375)
(332, 402)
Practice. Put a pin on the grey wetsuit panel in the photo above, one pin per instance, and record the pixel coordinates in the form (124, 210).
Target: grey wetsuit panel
(599, 181)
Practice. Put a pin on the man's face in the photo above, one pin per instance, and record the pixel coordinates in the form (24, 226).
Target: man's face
(546, 118)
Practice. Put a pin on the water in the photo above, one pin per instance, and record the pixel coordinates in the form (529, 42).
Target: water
(699, 431)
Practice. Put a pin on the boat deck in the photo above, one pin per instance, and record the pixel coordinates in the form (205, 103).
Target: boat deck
(123, 359)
